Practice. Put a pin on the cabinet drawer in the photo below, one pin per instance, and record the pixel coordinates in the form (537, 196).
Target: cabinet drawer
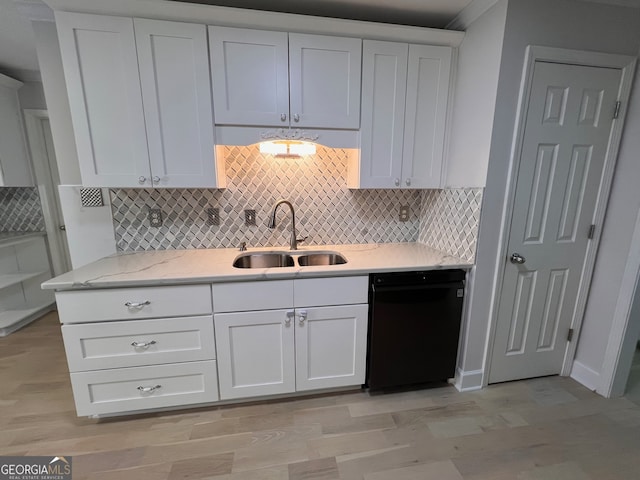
(135, 343)
(141, 388)
(133, 303)
(312, 292)
(247, 296)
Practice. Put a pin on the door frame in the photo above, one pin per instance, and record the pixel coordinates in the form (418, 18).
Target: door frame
(535, 54)
(41, 163)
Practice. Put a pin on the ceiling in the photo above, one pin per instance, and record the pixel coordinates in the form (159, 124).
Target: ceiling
(18, 57)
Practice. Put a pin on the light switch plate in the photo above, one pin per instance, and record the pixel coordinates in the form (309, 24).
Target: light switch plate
(155, 217)
(249, 217)
(404, 213)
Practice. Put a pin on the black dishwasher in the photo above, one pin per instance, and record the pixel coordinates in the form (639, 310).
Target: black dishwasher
(414, 327)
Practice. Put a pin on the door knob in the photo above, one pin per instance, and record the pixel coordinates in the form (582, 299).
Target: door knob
(517, 259)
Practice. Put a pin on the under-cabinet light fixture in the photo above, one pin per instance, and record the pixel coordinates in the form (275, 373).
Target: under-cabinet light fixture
(287, 148)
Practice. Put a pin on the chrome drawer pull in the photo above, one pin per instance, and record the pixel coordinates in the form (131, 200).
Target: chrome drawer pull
(149, 389)
(137, 304)
(143, 344)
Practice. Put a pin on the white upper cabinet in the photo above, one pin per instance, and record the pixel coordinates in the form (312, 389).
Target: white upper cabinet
(176, 94)
(264, 78)
(250, 75)
(140, 101)
(324, 81)
(14, 161)
(405, 90)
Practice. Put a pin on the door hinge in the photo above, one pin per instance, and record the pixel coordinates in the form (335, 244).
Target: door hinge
(570, 335)
(592, 232)
(616, 111)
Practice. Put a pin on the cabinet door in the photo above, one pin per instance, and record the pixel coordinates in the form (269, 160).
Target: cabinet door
(324, 81)
(14, 163)
(425, 115)
(174, 76)
(384, 85)
(101, 70)
(249, 72)
(255, 353)
(331, 346)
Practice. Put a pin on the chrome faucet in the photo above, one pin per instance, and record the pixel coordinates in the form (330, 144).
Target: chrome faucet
(272, 222)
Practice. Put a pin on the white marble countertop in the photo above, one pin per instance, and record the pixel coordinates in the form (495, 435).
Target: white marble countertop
(170, 267)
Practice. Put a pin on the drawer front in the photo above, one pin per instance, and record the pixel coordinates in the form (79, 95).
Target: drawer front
(317, 292)
(133, 303)
(141, 388)
(247, 296)
(136, 343)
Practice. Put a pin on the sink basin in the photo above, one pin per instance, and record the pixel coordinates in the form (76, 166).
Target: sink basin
(263, 260)
(321, 258)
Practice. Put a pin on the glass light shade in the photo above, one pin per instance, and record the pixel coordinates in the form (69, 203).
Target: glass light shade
(287, 148)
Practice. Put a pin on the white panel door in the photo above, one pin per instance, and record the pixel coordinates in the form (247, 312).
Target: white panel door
(255, 353)
(324, 79)
(249, 72)
(425, 115)
(331, 346)
(568, 125)
(384, 85)
(174, 76)
(101, 70)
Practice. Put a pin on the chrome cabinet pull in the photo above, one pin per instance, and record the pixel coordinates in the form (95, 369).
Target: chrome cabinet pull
(296, 117)
(149, 389)
(143, 344)
(408, 182)
(303, 316)
(397, 182)
(137, 304)
(290, 315)
(283, 117)
(517, 259)
(142, 180)
(156, 179)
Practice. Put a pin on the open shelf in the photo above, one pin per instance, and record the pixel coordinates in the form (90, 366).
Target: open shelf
(8, 279)
(12, 320)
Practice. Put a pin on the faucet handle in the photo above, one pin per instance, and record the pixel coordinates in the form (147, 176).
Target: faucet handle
(303, 239)
(243, 247)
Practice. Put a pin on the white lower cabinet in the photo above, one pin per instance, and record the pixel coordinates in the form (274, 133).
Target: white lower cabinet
(331, 346)
(257, 353)
(124, 359)
(269, 352)
(120, 390)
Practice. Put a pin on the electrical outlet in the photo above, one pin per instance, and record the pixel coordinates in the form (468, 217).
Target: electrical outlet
(404, 213)
(155, 217)
(249, 217)
(213, 217)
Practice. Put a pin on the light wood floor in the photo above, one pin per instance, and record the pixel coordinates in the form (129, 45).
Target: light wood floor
(549, 428)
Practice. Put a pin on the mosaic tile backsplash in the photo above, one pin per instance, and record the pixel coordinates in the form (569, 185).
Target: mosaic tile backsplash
(450, 220)
(326, 210)
(20, 210)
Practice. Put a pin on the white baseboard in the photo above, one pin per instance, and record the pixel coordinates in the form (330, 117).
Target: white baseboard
(468, 381)
(585, 375)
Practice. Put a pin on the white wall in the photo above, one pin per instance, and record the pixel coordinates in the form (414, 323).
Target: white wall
(475, 99)
(89, 230)
(31, 96)
(55, 91)
(556, 23)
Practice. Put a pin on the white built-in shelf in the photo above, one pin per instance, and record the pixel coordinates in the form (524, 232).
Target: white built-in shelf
(9, 279)
(12, 320)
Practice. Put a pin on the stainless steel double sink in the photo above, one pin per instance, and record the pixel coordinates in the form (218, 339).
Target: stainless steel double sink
(287, 259)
